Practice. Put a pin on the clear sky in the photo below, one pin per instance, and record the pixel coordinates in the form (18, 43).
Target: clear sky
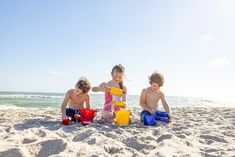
(45, 46)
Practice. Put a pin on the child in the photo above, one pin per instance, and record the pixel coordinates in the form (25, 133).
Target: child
(117, 81)
(150, 96)
(75, 99)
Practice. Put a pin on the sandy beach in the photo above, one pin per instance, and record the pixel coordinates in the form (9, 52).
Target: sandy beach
(193, 132)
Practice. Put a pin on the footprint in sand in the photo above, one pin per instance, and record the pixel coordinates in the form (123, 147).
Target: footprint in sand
(51, 147)
(92, 141)
(156, 132)
(164, 137)
(211, 139)
(135, 144)
(28, 140)
(14, 152)
(82, 136)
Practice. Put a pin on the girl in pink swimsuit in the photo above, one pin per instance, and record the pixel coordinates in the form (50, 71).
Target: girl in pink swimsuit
(108, 105)
(117, 81)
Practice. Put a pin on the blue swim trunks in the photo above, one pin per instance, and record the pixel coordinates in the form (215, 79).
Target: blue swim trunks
(70, 113)
(143, 113)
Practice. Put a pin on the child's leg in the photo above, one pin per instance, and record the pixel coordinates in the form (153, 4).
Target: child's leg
(108, 116)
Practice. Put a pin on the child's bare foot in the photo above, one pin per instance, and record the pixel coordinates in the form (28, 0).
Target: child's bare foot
(170, 118)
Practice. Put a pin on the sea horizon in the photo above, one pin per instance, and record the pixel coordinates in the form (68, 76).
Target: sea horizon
(12, 99)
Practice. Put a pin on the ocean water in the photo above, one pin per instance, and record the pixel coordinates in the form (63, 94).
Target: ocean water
(54, 100)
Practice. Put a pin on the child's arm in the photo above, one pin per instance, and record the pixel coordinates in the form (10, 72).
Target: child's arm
(142, 101)
(64, 104)
(164, 103)
(87, 102)
(101, 88)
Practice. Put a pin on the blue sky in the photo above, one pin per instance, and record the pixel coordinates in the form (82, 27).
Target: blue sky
(47, 45)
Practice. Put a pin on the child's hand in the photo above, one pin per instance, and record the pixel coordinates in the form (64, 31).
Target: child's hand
(152, 111)
(106, 89)
(64, 117)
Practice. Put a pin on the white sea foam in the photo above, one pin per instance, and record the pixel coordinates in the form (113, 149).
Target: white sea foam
(29, 96)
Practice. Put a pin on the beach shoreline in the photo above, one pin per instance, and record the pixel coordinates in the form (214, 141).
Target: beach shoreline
(193, 132)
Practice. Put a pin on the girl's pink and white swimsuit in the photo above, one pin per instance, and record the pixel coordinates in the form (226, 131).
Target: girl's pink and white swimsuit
(108, 105)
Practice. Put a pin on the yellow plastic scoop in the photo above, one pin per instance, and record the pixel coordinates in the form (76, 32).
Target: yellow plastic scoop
(121, 104)
(116, 91)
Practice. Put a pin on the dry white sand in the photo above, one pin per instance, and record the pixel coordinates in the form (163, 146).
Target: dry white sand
(193, 132)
